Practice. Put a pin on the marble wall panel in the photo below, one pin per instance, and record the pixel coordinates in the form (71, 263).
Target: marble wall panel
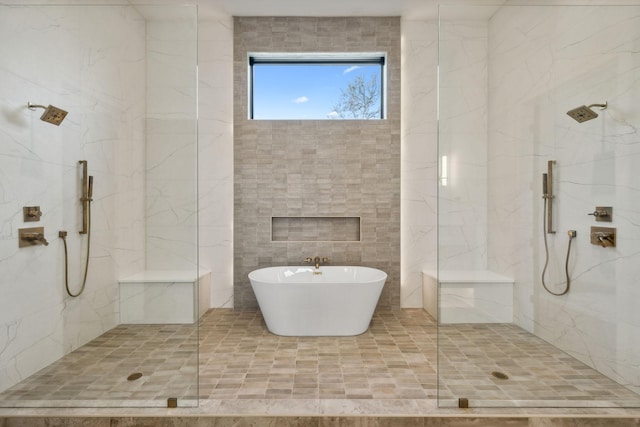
(90, 62)
(171, 154)
(419, 157)
(215, 153)
(545, 61)
(462, 209)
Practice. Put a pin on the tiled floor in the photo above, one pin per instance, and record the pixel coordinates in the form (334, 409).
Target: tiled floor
(538, 373)
(242, 360)
(395, 360)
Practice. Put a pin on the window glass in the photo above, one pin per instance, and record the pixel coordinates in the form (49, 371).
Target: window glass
(316, 90)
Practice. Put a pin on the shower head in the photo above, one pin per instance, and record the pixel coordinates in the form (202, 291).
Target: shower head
(53, 115)
(584, 113)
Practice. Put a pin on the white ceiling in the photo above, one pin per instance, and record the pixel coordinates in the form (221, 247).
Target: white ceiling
(326, 7)
(412, 9)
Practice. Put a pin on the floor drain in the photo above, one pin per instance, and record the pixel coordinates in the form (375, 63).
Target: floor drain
(500, 375)
(134, 377)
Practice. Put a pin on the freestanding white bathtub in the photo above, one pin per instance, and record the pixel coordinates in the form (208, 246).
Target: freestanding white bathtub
(296, 302)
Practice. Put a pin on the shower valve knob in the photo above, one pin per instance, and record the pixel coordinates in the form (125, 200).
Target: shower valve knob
(602, 213)
(31, 213)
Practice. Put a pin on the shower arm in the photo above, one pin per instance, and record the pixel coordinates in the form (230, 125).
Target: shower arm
(34, 106)
(603, 106)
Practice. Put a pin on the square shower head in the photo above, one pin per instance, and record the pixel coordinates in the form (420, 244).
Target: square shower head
(53, 115)
(582, 114)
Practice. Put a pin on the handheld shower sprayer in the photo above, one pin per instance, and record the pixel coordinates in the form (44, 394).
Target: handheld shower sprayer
(90, 189)
(547, 195)
(87, 194)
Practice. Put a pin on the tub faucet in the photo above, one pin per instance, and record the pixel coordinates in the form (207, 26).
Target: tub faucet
(316, 261)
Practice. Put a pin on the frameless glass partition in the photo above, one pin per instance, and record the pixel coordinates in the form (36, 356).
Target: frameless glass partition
(99, 244)
(538, 212)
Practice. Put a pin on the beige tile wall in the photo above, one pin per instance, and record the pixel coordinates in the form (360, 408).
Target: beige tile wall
(316, 168)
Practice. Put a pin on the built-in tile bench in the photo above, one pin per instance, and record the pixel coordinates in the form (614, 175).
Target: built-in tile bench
(468, 296)
(164, 296)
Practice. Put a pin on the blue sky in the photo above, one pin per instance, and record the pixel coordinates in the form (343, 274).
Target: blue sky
(295, 91)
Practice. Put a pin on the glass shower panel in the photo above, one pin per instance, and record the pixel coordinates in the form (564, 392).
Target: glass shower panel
(508, 77)
(126, 75)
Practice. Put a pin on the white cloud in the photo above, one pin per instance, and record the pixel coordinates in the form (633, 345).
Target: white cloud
(350, 69)
(333, 115)
(301, 100)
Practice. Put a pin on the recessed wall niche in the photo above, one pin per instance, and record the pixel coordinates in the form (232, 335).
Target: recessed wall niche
(315, 229)
(316, 168)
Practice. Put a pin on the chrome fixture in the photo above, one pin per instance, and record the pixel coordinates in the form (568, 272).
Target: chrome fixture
(603, 213)
(31, 237)
(31, 213)
(53, 115)
(603, 236)
(584, 112)
(86, 199)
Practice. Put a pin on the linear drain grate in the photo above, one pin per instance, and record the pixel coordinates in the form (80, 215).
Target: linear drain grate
(500, 375)
(134, 377)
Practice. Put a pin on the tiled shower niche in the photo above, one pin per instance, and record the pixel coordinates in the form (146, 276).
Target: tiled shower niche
(315, 229)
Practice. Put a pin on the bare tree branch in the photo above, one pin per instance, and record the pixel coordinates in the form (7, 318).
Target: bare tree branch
(360, 100)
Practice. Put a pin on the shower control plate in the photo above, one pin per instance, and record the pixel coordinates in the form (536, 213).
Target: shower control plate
(31, 213)
(603, 236)
(33, 236)
(603, 213)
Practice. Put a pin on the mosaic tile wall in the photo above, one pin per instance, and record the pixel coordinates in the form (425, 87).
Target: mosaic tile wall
(316, 168)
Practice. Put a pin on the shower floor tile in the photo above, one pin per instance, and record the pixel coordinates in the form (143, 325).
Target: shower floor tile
(395, 359)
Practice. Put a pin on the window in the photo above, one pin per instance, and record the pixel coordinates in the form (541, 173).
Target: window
(317, 86)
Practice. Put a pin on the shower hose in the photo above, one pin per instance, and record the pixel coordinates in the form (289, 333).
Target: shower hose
(546, 257)
(63, 235)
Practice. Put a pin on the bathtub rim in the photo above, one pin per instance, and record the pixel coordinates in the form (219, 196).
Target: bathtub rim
(252, 275)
